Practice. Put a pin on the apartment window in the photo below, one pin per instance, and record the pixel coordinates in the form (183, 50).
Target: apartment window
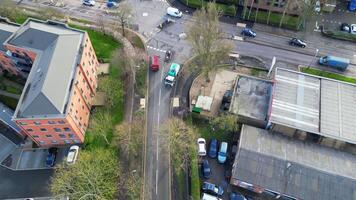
(80, 118)
(82, 107)
(61, 122)
(43, 129)
(42, 142)
(51, 122)
(37, 123)
(54, 141)
(76, 141)
(66, 129)
(62, 136)
(80, 124)
(48, 136)
(67, 141)
(35, 136)
(57, 130)
(255, 1)
(76, 111)
(71, 135)
(23, 123)
(78, 99)
(29, 129)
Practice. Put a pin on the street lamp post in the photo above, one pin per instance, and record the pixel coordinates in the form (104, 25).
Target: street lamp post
(316, 54)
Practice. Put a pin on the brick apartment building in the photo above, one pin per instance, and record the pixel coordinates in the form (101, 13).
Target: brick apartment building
(279, 6)
(56, 100)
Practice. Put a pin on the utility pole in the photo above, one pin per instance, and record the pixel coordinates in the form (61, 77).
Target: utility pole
(316, 54)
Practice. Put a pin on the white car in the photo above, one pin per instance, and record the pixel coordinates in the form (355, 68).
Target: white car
(72, 154)
(89, 2)
(353, 28)
(174, 12)
(317, 6)
(201, 147)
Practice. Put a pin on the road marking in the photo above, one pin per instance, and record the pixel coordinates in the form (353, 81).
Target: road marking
(156, 49)
(156, 180)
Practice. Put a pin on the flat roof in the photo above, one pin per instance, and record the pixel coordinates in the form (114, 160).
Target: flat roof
(314, 104)
(299, 169)
(251, 97)
(58, 47)
(7, 28)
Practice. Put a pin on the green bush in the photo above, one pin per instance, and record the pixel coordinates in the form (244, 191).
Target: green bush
(341, 35)
(328, 75)
(8, 101)
(290, 22)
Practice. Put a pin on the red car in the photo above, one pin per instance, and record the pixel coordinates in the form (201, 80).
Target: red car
(154, 63)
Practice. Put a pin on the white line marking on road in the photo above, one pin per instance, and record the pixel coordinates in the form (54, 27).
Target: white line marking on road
(156, 181)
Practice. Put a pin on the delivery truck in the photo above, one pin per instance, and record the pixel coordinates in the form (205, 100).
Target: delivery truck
(335, 62)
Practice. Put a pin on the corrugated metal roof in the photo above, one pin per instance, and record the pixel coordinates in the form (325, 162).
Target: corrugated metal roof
(314, 172)
(47, 87)
(314, 104)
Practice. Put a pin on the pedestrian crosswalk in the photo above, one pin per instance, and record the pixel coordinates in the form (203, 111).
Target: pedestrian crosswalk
(156, 49)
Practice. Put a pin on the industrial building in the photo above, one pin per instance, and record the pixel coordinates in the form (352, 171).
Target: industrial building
(286, 168)
(56, 100)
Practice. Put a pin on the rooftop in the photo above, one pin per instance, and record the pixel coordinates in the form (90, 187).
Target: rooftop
(57, 49)
(314, 172)
(251, 97)
(314, 104)
(7, 28)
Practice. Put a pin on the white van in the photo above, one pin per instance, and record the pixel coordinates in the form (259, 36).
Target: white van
(209, 197)
(174, 12)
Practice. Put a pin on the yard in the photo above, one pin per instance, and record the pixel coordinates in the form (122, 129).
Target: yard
(290, 22)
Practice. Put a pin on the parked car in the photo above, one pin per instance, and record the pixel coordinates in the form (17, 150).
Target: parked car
(248, 32)
(51, 157)
(222, 155)
(174, 12)
(154, 60)
(205, 169)
(111, 4)
(212, 189)
(227, 172)
(237, 196)
(297, 42)
(201, 147)
(353, 28)
(209, 197)
(317, 6)
(165, 23)
(88, 2)
(72, 154)
(168, 56)
(226, 101)
(213, 148)
(345, 27)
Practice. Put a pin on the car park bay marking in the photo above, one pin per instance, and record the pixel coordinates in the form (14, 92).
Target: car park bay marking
(156, 49)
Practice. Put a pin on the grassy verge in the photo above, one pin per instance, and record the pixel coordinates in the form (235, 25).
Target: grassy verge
(328, 75)
(8, 101)
(340, 35)
(194, 178)
(141, 76)
(104, 45)
(229, 10)
(290, 22)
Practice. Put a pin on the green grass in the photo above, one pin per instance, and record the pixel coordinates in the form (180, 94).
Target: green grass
(104, 45)
(328, 75)
(141, 76)
(194, 178)
(227, 10)
(290, 22)
(8, 101)
(118, 109)
(13, 90)
(136, 41)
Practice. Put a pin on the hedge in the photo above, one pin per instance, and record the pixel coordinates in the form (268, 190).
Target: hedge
(290, 22)
(341, 35)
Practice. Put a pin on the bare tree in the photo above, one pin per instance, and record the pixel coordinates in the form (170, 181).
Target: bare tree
(51, 13)
(125, 15)
(94, 176)
(286, 7)
(207, 41)
(101, 23)
(181, 140)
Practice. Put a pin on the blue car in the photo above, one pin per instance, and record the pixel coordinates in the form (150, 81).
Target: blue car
(212, 189)
(51, 157)
(205, 168)
(236, 196)
(213, 149)
(222, 155)
(248, 32)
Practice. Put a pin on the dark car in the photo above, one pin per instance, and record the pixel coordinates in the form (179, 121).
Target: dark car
(206, 170)
(227, 172)
(212, 189)
(51, 157)
(225, 103)
(297, 42)
(213, 149)
(248, 32)
(345, 27)
(237, 196)
(168, 56)
(165, 23)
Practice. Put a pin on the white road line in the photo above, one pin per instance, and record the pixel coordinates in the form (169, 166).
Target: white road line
(156, 181)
